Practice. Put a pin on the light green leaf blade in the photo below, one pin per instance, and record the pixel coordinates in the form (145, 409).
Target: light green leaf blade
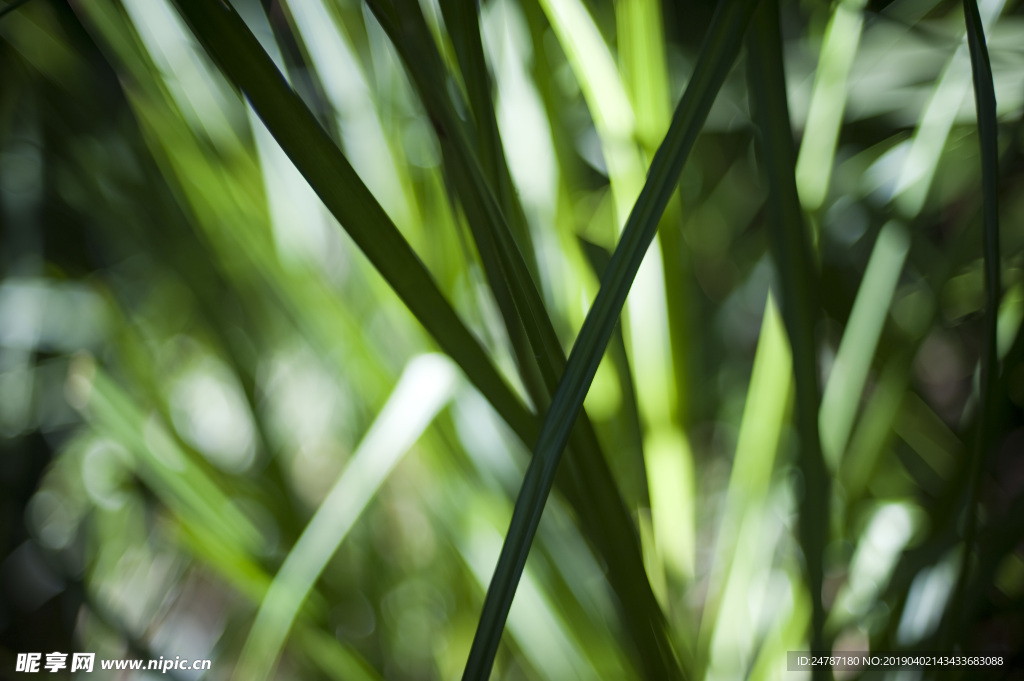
(425, 386)
(828, 102)
(841, 400)
(722, 642)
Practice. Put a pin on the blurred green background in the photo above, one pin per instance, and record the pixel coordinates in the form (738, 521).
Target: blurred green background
(198, 366)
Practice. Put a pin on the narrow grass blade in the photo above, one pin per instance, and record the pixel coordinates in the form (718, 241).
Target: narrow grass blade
(642, 56)
(605, 94)
(828, 102)
(588, 481)
(629, 469)
(221, 31)
(717, 56)
(764, 415)
(841, 400)
(649, 314)
(790, 632)
(923, 151)
(335, 64)
(507, 271)
(424, 388)
(166, 467)
(546, 639)
(661, 293)
(671, 485)
(211, 524)
(414, 42)
(792, 252)
(875, 426)
(643, 60)
(463, 22)
(985, 104)
(616, 124)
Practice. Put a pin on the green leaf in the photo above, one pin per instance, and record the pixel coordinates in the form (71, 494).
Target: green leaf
(605, 94)
(652, 320)
(224, 35)
(588, 484)
(828, 102)
(423, 390)
(716, 59)
(463, 23)
(167, 468)
(792, 253)
(985, 104)
(849, 375)
(736, 560)
(921, 160)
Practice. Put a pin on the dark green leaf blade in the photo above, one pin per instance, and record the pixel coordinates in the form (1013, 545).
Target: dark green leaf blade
(716, 59)
(587, 480)
(985, 105)
(11, 7)
(463, 22)
(791, 250)
(225, 36)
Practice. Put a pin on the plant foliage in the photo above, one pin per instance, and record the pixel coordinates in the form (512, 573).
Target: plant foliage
(511, 339)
